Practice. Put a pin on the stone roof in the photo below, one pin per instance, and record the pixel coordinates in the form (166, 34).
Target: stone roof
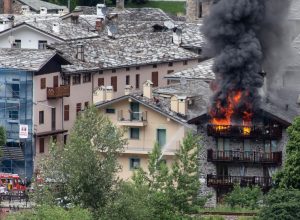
(203, 71)
(37, 4)
(25, 59)
(123, 52)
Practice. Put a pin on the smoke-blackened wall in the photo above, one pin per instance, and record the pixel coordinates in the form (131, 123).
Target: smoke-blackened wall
(243, 36)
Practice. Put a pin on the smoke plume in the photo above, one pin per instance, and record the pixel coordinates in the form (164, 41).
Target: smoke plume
(242, 35)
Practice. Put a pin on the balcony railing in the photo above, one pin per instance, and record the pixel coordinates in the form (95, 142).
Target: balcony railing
(230, 181)
(267, 132)
(58, 92)
(129, 118)
(244, 156)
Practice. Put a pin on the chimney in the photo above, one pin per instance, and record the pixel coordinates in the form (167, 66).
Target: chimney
(206, 4)
(147, 89)
(7, 7)
(182, 105)
(56, 27)
(80, 52)
(120, 4)
(128, 89)
(101, 11)
(109, 93)
(25, 10)
(177, 36)
(99, 24)
(43, 11)
(99, 95)
(174, 104)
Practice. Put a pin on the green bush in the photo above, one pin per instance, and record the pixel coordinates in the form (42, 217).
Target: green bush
(244, 197)
(281, 204)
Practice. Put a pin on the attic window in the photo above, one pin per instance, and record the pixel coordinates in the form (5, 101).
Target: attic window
(185, 62)
(154, 65)
(113, 70)
(137, 68)
(127, 69)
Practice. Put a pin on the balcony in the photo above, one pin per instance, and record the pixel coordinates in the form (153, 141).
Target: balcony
(132, 119)
(239, 131)
(58, 92)
(243, 181)
(274, 158)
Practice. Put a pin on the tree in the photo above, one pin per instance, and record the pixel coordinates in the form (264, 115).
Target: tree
(174, 193)
(2, 136)
(245, 197)
(83, 172)
(281, 204)
(289, 176)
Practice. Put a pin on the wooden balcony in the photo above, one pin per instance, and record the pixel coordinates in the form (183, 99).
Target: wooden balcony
(58, 92)
(239, 131)
(243, 181)
(132, 119)
(274, 158)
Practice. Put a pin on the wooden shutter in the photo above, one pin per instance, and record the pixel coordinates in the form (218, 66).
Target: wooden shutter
(114, 82)
(100, 82)
(55, 81)
(43, 83)
(66, 113)
(155, 79)
(42, 145)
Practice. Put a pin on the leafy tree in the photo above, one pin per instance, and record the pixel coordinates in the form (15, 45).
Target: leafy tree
(2, 136)
(289, 176)
(52, 212)
(245, 197)
(281, 204)
(83, 172)
(174, 193)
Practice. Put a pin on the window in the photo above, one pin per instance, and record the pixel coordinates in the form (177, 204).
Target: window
(15, 90)
(134, 133)
(86, 105)
(170, 64)
(137, 68)
(42, 44)
(76, 79)
(154, 66)
(54, 138)
(110, 111)
(170, 71)
(134, 163)
(185, 62)
(100, 82)
(155, 79)
(17, 44)
(42, 146)
(78, 108)
(113, 70)
(13, 115)
(137, 81)
(127, 69)
(161, 137)
(66, 113)
(114, 83)
(86, 77)
(41, 117)
(43, 83)
(55, 81)
(127, 80)
(66, 80)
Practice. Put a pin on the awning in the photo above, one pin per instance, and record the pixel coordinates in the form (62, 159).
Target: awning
(12, 153)
(50, 133)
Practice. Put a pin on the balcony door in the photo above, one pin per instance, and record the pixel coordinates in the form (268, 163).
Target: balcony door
(161, 137)
(135, 111)
(222, 170)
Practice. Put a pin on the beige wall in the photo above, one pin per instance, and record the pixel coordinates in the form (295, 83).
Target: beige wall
(145, 73)
(147, 138)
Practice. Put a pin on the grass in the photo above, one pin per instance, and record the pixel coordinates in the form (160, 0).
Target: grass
(168, 7)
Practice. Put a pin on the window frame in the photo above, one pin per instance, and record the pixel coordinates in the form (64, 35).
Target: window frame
(42, 44)
(41, 117)
(41, 145)
(131, 163)
(43, 83)
(131, 137)
(66, 112)
(86, 78)
(76, 79)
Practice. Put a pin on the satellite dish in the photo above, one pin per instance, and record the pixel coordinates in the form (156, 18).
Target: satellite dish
(169, 24)
(11, 40)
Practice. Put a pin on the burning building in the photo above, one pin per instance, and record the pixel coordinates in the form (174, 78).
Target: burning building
(244, 134)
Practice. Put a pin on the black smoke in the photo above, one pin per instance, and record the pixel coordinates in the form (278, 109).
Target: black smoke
(236, 32)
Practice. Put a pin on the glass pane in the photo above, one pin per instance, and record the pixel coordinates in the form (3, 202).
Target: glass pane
(161, 137)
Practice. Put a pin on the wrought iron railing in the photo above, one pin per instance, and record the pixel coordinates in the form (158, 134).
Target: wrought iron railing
(244, 156)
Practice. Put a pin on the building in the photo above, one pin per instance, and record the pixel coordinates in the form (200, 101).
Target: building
(153, 116)
(30, 7)
(19, 101)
